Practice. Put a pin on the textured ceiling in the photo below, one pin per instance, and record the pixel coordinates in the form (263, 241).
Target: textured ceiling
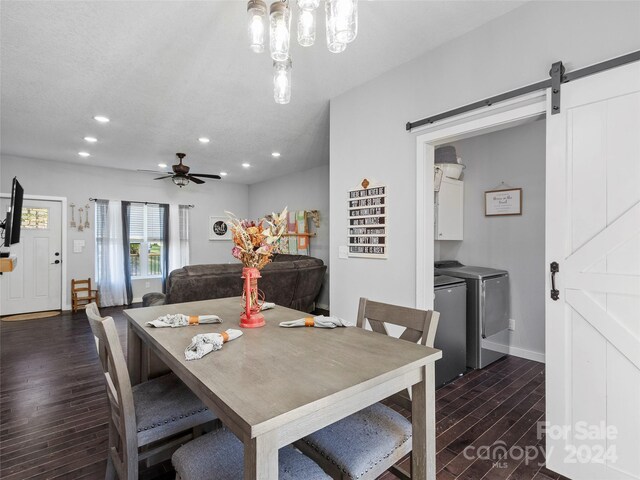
(168, 72)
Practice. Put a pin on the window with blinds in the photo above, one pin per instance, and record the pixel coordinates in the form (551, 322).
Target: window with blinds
(146, 242)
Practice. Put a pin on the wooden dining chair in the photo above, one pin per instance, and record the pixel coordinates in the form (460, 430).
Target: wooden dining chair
(148, 420)
(219, 455)
(82, 294)
(367, 443)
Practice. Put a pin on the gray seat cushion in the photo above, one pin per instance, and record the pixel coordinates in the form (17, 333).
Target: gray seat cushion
(357, 443)
(219, 455)
(165, 406)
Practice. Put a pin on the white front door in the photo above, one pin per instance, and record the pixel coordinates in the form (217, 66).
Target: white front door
(35, 285)
(593, 233)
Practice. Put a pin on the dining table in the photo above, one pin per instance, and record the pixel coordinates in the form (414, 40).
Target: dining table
(273, 385)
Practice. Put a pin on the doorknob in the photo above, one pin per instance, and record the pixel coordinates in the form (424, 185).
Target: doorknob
(56, 262)
(555, 268)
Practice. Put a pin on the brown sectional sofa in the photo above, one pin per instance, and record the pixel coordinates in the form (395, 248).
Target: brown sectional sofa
(293, 281)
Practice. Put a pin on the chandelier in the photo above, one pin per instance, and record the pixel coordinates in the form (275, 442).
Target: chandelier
(341, 20)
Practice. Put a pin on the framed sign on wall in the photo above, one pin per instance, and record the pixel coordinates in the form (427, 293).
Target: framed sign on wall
(368, 221)
(503, 202)
(219, 229)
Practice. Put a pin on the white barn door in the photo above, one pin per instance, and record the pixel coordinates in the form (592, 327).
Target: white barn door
(593, 233)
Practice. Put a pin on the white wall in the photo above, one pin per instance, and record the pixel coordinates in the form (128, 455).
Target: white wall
(78, 182)
(307, 190)
(514, 243)
(368, 137)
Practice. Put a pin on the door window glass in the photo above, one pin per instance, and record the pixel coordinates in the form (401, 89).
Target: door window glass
(35, 218)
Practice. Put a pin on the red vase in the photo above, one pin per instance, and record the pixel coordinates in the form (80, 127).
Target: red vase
(251, 317)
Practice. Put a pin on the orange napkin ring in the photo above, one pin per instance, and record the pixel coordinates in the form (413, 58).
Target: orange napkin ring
(225, 337)
(194, 320)
(308, 322)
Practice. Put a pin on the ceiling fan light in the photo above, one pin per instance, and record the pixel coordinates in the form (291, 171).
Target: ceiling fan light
(180, 180)
(279, 30)
(257, 15)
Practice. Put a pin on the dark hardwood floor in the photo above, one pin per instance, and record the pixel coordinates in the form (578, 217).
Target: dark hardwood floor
(53, 409)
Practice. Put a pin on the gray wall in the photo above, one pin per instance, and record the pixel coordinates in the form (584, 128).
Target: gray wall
(514, 243)
(78, 182)
(308, 190)
(368, 137)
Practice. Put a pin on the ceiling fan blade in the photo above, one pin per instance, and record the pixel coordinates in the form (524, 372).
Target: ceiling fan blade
(161, 178)
(206, 175)
(151, 171)
(194, 179)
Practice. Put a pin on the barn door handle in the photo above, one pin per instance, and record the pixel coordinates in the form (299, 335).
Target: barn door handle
(555, 293)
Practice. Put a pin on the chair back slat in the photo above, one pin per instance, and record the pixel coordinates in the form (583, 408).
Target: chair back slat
(378, 326)
(119, 390)
(411, 335)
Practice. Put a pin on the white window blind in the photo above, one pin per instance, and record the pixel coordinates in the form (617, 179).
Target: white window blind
(146, 236)
(136, 221)
(146, 222)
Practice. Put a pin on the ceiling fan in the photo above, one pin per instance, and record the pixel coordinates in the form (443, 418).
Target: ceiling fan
(181, 175)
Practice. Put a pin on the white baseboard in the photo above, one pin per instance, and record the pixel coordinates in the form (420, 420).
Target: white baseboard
(515, 351)
(137, 300)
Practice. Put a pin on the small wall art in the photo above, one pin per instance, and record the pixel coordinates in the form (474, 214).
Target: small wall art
(503, 202)
(219, 229)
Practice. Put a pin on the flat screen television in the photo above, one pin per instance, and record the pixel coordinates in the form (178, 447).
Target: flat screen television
(14, 215)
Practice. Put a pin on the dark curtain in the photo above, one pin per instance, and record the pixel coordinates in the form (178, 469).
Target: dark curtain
(164, 208)
(126, 222)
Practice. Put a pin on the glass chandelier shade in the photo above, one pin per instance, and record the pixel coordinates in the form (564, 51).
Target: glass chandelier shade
(180, 181)
(279, 30)
(342, 21)
(282, 81)
(307, 22)
(256, 16)
(333, 44)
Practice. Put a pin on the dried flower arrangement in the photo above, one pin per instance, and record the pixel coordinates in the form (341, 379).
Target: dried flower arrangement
(255, 242)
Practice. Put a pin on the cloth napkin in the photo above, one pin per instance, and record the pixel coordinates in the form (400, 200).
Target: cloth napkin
(179, 320)
(267, 306)
(319, 321)
(204, 343)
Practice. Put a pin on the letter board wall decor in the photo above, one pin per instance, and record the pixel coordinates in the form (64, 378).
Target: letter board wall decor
(368, 221)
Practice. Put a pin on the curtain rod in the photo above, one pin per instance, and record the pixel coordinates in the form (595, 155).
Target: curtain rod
(562, 78)
(91, 199)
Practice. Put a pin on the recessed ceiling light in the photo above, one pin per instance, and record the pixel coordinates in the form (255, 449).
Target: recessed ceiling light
(91, 139)
(204, 140)
(84, 154)
(223, 174)
(162, 165)
(246, 165)
(101, 118)
(275, 154)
